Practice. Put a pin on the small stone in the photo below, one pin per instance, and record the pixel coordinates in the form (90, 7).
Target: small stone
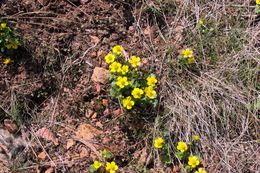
(100, 75)
(87, 132)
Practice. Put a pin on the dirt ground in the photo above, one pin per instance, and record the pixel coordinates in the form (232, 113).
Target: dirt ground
(50, 84)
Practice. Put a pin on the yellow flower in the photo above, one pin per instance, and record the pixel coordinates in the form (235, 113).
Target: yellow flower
(97, 164)
(7, 61)
(109, 58)
(128, 103)
(135, 61)
(193, 161)
(191, 60)
(118, 49)
(201, 170)
(200, 23)
(124, 69)
(257, 2)
(195, 138)
(111, 167)
(182, 146)
(3, 25)
(122, 82)
(150, 92)
(137, 93)
(115, 67)
(151, 80)
(159, 143)
(187, 53)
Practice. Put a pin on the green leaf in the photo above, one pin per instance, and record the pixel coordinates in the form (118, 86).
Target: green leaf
(155, 103)
(92, 169)
(188, 168)
(179, 155)
(106, 154)
(166, 158)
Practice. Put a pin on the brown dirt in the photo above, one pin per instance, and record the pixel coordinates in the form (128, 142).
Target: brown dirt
(50, 78)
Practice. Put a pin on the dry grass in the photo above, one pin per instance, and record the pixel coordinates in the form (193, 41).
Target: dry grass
(216, 103)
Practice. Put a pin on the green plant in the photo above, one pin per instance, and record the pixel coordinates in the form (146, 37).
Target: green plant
(186, 58)
(183, 153)
(110, 167)
(8, 38)
(257, 8)
(129, 83)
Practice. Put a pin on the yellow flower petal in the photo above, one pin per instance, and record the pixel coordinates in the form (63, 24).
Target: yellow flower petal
(159, 143)
(109, 58)
(135, 61)
(118, 49)
(128, 103)
(182, 146)
(137, 93)
(193, 161)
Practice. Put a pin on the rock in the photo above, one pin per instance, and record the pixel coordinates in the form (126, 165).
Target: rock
(70, 143)
(86, 132)
(100, 75)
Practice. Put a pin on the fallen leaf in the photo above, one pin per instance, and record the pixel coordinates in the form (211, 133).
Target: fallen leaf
(70, 143)
(84, 152)
(86, 132)
(118, 112)
(42, 156)
(47, 134)
(10, 126)
(94, 39)
(49, 170)
(100, 75)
